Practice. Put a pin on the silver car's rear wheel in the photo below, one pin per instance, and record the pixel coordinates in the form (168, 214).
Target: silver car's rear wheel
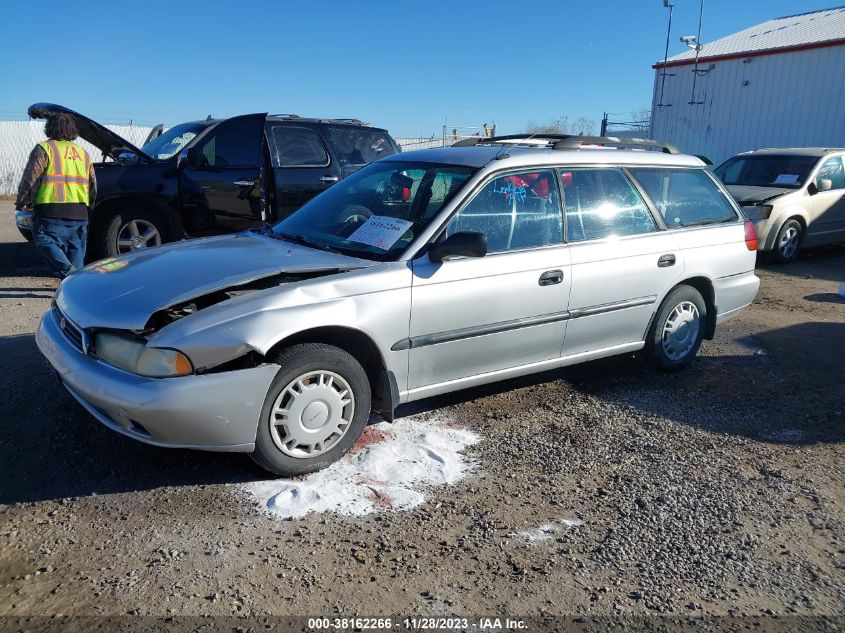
(316, 408)
(677, 329)
(312, 413)
(680, 331)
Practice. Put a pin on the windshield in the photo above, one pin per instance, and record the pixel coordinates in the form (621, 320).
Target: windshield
(376, 212)
(172, 141)
(788, 172)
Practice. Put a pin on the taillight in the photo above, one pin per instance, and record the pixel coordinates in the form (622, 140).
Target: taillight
(750, 236)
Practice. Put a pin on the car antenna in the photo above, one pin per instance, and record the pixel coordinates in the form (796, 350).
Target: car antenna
(504, 152)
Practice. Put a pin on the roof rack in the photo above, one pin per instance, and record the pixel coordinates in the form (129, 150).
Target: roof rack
(287, 116)
(571, 141)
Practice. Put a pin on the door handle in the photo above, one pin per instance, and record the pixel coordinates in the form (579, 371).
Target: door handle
(666, 260)
(551, 277)
(244, 183)
(329, 179)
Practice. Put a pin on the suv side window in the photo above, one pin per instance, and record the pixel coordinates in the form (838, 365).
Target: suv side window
(297, 147)
(685, 197)
(232, 146)
(832, 170)
(354, 145)
(601, 202)
(515, 211)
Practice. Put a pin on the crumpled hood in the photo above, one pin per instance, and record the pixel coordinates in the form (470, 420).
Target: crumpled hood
(123, 292)
(746, 194)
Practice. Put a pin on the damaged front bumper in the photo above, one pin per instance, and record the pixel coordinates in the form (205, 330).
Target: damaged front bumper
(215, 412)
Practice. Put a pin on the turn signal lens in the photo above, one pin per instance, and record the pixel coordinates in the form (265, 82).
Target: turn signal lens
(750, 236)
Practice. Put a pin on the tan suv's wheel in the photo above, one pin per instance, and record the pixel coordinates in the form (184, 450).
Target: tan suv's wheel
(315, 410)
(677, 330)
(788, 241)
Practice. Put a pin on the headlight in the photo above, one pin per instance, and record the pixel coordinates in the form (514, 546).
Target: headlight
(757, 212)
(134, 356)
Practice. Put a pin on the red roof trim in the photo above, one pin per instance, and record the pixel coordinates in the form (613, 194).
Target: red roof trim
(760, 53)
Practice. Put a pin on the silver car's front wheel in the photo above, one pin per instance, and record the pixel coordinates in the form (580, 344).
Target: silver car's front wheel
(312, 413)
(316, 408)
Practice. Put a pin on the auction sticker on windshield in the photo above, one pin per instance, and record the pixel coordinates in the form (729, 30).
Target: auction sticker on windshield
(380, 231)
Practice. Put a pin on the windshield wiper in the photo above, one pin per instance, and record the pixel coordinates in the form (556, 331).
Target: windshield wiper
(304, 241)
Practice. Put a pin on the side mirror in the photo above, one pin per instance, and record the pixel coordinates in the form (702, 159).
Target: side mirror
(189, 156)
(824, 184)
(466, 244)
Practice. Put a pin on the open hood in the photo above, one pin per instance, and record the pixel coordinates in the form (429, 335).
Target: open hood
(99, 136)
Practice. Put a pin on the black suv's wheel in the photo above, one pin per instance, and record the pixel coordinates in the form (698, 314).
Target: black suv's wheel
(127, 231)
(677, 330)
(316, 408)
(788, 241)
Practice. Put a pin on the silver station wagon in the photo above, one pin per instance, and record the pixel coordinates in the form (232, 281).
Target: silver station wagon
(423, 273)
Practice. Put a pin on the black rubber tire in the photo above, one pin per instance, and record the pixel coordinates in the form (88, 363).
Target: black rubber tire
(295, 361)
(776, 252)
(654, 352)
(104, 242)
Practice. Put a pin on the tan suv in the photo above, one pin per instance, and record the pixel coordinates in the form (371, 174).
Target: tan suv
(795, 197)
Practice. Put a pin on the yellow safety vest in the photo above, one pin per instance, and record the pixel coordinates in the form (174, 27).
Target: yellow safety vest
(66, 178)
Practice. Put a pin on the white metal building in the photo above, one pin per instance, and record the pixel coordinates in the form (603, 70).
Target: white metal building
(777, 84)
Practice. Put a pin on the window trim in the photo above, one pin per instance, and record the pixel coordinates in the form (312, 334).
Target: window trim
(623, 169)
(477, 190)
(817, 169)
(733, 204)
(283, 126)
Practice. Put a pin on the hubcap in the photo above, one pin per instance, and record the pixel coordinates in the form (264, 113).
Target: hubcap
(788, 242)
(680, 332)
(312, 413)
(137, 234)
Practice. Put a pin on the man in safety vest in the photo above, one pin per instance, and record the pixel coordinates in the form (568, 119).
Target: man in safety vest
(59, 186)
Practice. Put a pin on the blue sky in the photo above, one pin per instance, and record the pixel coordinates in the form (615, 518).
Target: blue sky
(400, 65)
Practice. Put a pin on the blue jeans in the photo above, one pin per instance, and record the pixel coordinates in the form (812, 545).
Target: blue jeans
(62, 242)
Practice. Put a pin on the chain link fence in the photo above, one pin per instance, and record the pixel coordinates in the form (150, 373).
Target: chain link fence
(17, 138)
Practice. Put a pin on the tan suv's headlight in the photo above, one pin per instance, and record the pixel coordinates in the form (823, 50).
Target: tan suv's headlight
(132, 355)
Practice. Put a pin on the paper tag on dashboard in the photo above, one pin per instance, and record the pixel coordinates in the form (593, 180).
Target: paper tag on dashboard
(786, 179)
(380, 231)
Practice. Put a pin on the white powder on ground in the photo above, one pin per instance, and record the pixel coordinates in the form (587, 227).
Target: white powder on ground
(389, 474)
(549, 530)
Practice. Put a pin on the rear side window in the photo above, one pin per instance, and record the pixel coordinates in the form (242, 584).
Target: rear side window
(685, 197)
(601, 203)
(358, 145)
(298, 147)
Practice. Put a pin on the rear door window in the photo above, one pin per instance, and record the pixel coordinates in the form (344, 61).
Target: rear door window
(297, 147)
(685, 197)
(601, 203)
(358, 145)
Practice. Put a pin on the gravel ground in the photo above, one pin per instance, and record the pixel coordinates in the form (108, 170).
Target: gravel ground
(600, 490)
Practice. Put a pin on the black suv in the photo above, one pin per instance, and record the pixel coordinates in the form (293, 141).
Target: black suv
(215, 176)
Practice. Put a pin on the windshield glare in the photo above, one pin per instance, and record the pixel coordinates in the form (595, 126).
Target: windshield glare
(788, 172)
(172, 141)
(376, 212)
